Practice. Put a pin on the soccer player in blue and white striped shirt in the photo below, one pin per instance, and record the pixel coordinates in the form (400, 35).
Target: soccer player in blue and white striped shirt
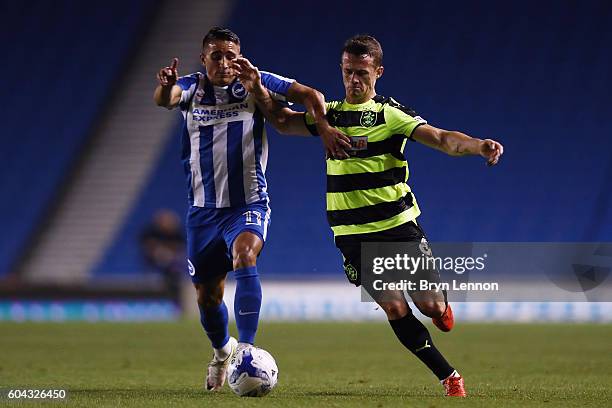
(224, 155)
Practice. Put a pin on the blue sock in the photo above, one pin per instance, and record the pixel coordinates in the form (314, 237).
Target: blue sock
(247, 303)
(214, 320)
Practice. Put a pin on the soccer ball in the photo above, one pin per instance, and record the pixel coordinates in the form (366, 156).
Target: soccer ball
(252, 372)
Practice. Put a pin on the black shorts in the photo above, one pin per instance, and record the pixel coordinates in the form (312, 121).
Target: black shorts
(351, 248)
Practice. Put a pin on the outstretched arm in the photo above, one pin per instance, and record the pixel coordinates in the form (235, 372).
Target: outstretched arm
(458, 144)
(168, 93)
(287, 121)
(336, 143)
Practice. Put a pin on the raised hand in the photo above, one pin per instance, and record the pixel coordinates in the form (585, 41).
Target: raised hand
(248, 74)
(491, 150)
(168, 76)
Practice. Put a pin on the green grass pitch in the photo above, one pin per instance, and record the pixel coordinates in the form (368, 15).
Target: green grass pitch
(320, 364)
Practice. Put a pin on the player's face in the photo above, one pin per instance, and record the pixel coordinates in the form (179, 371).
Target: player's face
(217, 57)
(359, 74)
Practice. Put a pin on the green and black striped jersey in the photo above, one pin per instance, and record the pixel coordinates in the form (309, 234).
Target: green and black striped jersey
(368, 191)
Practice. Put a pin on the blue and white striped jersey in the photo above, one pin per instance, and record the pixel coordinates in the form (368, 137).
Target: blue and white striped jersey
(224, 146)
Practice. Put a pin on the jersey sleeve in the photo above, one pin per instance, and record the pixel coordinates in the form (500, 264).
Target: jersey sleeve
(277, 85)
(188, 85)
(402, 120)
(309, 120)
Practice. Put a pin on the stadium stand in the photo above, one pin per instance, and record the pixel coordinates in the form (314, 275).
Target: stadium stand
(63, 58)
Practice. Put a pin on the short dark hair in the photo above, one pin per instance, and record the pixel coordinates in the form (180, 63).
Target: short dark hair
(220, 33)
(364, 44)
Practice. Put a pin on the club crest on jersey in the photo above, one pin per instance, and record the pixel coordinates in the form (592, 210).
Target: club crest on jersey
(368, 118)
(238, 90)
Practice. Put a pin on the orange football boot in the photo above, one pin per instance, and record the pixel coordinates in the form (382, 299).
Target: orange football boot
(454, 386)
(446, 321)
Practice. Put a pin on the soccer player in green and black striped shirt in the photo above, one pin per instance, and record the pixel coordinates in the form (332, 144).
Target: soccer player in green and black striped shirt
(368, 198)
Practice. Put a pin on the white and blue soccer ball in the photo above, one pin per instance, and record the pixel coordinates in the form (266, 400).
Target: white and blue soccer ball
(252, 372)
